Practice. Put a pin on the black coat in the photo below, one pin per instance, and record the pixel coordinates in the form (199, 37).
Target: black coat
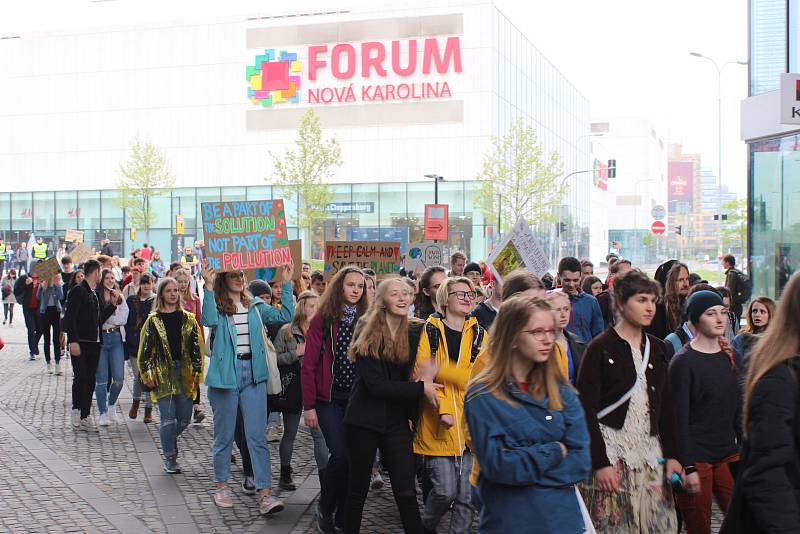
(576, 347)
(379, 384)
(84, 315)
(766, 498)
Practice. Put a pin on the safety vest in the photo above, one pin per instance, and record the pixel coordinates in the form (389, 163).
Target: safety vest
(3, 252)
(40, 251)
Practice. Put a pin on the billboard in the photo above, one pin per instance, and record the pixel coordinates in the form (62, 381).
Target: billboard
(681, 181)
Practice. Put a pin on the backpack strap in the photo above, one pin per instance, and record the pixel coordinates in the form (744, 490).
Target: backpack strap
(477, 341)
(433, 338)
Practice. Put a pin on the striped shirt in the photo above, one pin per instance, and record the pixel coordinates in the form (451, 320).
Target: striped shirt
(242, 330)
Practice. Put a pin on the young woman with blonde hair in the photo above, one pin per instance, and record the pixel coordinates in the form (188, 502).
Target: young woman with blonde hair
(766, 496)
(191, 303)
(380, 405)
(527, 427)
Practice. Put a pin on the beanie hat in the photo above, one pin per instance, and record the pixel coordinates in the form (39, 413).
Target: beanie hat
(258, 288)
(699, 302)
(473, 267)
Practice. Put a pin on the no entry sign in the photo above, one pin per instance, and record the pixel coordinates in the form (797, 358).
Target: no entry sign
(658, 227)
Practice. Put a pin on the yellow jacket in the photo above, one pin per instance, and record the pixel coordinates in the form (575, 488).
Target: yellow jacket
(431, 438)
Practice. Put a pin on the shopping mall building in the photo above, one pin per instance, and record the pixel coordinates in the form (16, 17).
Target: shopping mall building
(407, 92)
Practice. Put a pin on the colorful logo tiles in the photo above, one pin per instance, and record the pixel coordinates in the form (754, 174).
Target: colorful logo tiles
(274, 80)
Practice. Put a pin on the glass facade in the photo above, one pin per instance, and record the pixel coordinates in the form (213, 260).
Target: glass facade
(768, 43)
(390, 212)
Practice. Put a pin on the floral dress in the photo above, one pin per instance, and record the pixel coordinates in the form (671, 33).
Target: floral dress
(644, 502)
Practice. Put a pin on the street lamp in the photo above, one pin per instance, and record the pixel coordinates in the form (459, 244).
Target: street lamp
(719, 69)
(436, 180)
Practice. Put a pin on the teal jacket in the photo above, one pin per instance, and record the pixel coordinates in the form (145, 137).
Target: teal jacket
(222, 367)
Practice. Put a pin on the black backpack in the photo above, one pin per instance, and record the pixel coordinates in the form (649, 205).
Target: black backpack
(434, 335)
(742, 287)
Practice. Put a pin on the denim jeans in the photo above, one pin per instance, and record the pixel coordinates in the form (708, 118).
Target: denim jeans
(176, 414)
(111, 364)
(138, 392)
(252, 399)
(449, 476)
(334, 486)
(291, 422)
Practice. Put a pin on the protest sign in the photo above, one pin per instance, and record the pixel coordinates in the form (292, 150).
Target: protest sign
(420, 256)
(74, 236)
(383, 257)
(47, 269)
(519, 249)
(247, 234)
(80, 253)
(268, 274)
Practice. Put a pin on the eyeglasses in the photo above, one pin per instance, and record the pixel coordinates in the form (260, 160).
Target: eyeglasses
(236, 274)
(540, 334)
(462, 295)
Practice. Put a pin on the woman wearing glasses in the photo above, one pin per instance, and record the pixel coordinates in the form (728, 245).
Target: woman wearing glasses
(451, 344)
(237, 377)
(625, 393)
(527, 427)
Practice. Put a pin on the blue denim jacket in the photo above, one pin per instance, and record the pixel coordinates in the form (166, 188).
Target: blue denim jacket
(524, 478)
(56, 291)
(222, 366)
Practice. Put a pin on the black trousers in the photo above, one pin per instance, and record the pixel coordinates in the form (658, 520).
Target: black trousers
(398, 458)
(33, 323)
(51, 320)
(84, 368)
(241, 443)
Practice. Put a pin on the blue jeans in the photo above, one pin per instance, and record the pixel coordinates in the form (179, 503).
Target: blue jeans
(112, 363)
(176, 414)
(291, 422)
(334, 486)
(251, 398)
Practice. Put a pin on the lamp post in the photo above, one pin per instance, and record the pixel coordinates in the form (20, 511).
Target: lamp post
(719, 69)
(436, 180)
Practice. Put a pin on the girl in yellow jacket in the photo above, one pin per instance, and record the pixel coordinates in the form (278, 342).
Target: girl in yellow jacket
(448, 349)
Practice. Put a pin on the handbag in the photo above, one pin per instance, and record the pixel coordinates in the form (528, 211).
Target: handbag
(290, 398)
(274, 380)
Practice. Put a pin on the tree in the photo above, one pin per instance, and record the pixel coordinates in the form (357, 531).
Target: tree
(304, 171)
(519, 180)
(734, 230)
(145, 175)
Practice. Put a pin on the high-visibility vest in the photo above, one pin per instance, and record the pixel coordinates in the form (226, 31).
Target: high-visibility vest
(3, 252)
(40, 251)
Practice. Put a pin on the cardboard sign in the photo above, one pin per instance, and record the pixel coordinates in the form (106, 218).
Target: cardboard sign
(383, 257)
(420, 256)
(80, 253)
(436, 222)
(74, 236)
(47, 269)
(268, 274)
(247, 234)
(519, 249)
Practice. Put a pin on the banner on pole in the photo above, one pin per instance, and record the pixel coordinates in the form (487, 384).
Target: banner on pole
(519, 249)
(383, 257)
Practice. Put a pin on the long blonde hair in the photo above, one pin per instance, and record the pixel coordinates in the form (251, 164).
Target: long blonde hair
(780, 342)
(158, 305)
(544, 378)
(372, 337)
(300, 318)
(186, 295)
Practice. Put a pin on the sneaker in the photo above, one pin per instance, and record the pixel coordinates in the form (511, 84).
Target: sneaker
(269, 505)
(223, 498)
(49, 367)
(199, 416)
(112, 413)
(273, 434)
(59, 368)
(103, 420)
(32, 357)
(248, 486)
(324, 523)
(87, 425)
(376, 482)
(75, 418)
(171, 466)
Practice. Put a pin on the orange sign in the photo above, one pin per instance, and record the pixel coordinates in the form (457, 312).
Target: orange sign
(436, 222)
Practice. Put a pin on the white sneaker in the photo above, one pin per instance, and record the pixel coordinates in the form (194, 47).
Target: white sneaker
(75, 418)
(112, 413)
(59, 370)
(87, 425)
(50, 367)
(103, 420)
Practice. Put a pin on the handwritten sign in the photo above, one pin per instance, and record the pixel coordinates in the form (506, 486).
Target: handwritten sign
(420, 256)
(74, 236)
(80, 253)
(47, 269)
(268, 274)
(247, 234)
(383, 257)
(519, 249)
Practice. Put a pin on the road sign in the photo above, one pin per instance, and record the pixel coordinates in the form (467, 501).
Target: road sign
(658, 212)
(658, 227)
(436, 222)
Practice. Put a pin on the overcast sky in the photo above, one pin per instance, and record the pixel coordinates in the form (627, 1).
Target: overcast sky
(629, 57)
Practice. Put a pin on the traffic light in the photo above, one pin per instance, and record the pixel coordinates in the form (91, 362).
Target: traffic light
(612, 168)
(562, 228)
(679, 229)
(724, 217)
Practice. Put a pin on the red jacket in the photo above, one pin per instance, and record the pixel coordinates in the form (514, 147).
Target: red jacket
(316, 377)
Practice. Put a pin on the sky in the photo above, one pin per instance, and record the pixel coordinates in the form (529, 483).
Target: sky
(630, 58)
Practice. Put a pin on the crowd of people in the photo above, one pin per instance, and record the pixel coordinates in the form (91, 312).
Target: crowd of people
(567, 402)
